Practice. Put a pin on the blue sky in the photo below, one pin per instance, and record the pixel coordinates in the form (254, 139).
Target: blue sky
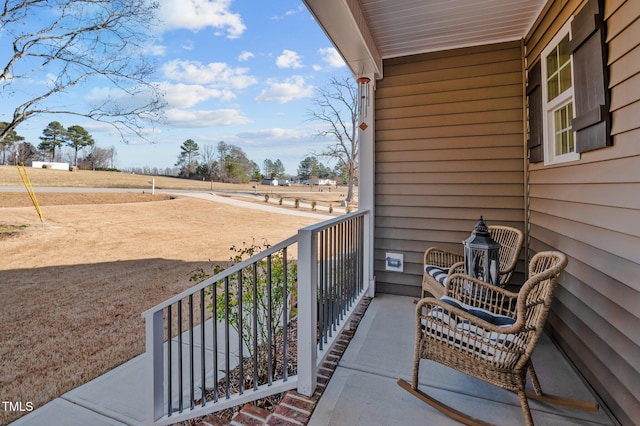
(242, 72)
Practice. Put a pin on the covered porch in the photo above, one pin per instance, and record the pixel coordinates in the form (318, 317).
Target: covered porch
(363, 389)
(462, 123)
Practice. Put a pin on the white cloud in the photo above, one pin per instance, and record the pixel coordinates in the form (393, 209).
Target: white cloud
(195, 15)
(217, 74)
(156, 50)
(245, 56)
(188, 45)
(290, 12)
(205, 118)
(289, 59)
(288, 90)
(134, 98)
(268, 134)
(331, 57)
(187, 95)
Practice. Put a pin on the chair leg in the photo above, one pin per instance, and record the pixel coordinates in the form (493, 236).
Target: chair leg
(534, 379)
(557, 400)
(528, 419)
(416, 365)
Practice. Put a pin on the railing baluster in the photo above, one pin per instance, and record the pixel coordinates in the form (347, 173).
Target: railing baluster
(240, 330)
(270, 345)
(191, 356)
(321, 279)
(361, 273)
(351, 262)
(227, 343)
(339, 278)
(285, 316)
(180, 382)
(214, 330)
(169, 362)
(254, 325)
(203, 377)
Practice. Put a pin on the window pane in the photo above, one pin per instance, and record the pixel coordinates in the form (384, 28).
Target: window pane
(570, 147)
(563, 51)
(563, 134)
(565, 78)
(557, 121)
(552, 62)
(553, 89)
(559, 69)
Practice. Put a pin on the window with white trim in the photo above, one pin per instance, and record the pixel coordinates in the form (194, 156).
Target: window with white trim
(557, 99)
(568, 97)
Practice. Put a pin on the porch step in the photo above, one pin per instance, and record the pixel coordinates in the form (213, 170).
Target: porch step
(250, 415)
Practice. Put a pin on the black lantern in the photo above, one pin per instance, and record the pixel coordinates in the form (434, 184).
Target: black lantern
(482, 255)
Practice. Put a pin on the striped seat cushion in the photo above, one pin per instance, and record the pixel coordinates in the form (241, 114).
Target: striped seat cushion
(488, 316)
(466, 335)
(439, 274)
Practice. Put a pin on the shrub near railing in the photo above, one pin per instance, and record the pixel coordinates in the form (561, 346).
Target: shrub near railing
(255, 307)
(227, 340)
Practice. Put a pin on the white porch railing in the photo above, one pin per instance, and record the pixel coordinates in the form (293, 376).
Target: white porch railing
(228, 340)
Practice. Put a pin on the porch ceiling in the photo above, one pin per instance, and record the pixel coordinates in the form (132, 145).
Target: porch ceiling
(367, 31)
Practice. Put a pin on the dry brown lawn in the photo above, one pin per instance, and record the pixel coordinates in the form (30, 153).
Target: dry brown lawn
(72, 289)
(9, 176)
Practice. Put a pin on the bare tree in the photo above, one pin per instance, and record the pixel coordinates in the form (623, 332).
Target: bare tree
(337, 105)
(78, 41)
(26, 152)
(99, 158)
(207, 168)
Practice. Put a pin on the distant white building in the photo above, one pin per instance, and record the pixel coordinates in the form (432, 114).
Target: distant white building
(270, 181)
(50, 164)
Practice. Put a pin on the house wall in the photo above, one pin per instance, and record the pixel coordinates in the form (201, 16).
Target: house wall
(590, 210)
(449, 148)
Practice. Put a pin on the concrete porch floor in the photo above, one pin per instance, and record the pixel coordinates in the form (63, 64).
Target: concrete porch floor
(363, 388)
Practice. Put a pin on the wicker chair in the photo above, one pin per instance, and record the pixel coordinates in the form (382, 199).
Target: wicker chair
(489, 333)
(440, 263)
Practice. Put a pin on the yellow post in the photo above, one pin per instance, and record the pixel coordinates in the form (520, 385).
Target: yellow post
(27, 184)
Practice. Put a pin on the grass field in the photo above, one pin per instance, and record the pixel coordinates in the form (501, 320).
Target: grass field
(72, 288)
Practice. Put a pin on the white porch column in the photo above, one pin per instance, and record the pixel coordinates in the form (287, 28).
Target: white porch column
(307, 311)
(367, 184)
(154, 353)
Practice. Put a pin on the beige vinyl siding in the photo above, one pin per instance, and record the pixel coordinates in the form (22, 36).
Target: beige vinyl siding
(590, 210)
(449, 148)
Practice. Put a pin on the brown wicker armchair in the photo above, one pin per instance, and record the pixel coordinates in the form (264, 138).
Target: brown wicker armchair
(439, 263)
(489, 333)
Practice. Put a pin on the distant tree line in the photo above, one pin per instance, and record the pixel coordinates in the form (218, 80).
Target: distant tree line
(229, 163)
(224, 163)
(80, 148)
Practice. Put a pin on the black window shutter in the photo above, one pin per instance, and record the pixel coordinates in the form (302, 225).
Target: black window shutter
(592, 122)
(534, 96)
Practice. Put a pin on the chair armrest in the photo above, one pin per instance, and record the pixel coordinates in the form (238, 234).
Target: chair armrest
(442, 258)
(457, 268)
(479, 294)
